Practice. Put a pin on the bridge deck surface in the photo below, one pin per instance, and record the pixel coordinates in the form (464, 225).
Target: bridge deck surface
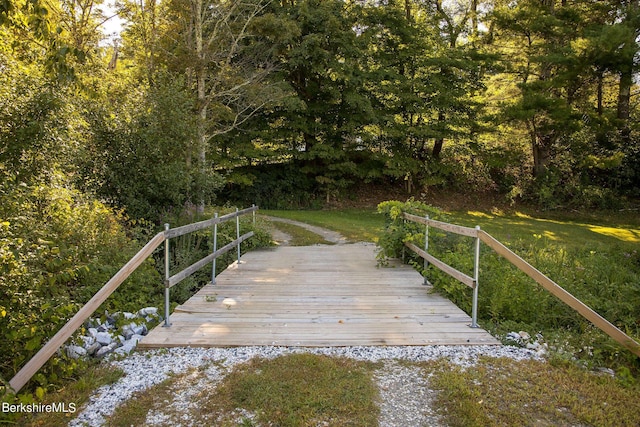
(316, 296)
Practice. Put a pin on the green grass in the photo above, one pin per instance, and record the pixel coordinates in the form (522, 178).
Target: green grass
(595, 231)
(357, 225)
(301, 390)
(288, 391)
(76, 392)
(501, 392)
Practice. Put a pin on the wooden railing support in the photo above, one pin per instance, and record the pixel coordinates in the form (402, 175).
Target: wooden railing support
(41, 357)
(585, 311)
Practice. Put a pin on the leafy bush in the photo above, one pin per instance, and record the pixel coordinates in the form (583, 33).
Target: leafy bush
(273, 186)
(57, 248)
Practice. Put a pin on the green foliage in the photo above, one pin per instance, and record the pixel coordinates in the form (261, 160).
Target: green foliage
(273, 186)
(397, 231)
(51, 269)
(604, 277)
(138, 156)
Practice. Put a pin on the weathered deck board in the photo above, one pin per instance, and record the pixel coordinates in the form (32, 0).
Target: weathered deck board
(316, 296)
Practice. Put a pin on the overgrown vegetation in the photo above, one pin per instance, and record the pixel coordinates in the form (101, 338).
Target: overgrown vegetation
(51, 271)
(602, 276)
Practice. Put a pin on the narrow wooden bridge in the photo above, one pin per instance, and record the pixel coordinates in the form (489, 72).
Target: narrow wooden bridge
(316, 296)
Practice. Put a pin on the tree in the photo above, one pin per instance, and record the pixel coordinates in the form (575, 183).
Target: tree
(318, 55)
(546, 71)
(224, 77)
(426, 81)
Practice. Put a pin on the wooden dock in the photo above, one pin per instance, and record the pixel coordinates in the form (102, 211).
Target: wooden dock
(316, 296)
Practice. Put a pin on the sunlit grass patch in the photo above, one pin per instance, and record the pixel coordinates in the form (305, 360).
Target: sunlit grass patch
(626, 235)
(501, 392)
(357, 225)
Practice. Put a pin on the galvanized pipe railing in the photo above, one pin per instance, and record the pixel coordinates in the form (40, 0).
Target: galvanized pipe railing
(41, 357)
(171, 281)
(472, 282)
(601, 323)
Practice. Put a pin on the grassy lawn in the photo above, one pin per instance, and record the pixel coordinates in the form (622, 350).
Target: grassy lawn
(570, 232)
(501, 392)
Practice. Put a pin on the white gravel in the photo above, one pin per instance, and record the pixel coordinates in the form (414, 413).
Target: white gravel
(404, 391)
(405, 397)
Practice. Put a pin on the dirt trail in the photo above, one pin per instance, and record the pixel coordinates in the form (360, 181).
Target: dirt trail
(283, 238)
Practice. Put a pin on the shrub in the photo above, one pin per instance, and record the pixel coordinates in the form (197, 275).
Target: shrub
(57, 248)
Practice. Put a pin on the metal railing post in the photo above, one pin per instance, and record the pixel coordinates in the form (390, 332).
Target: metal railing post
(215, 248)
(476, 273)
(404, 227)
(238, 233)
(166, 280)
(426, 248)
(253, 206)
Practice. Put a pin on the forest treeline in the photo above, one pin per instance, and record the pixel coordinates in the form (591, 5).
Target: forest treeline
(288, 103)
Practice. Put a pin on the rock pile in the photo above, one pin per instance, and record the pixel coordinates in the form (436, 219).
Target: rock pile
(525, 340)
(119, 333)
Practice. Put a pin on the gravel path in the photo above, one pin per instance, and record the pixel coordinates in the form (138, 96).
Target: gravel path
(405, 393)
(405, 397)
(328, 235)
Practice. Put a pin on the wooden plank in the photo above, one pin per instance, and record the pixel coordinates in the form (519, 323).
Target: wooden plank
(469, 281)
(317, 296)
(451, 228)
(41, 357)
(564, 296)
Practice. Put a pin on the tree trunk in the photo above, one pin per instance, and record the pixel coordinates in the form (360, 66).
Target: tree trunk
(541, 154)
(439, 143)
(624, 102)
(201, 96)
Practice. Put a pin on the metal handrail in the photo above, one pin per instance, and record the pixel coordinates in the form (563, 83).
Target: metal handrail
(170, 281)
(42, 356)
(472, 282)
(549, 285)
